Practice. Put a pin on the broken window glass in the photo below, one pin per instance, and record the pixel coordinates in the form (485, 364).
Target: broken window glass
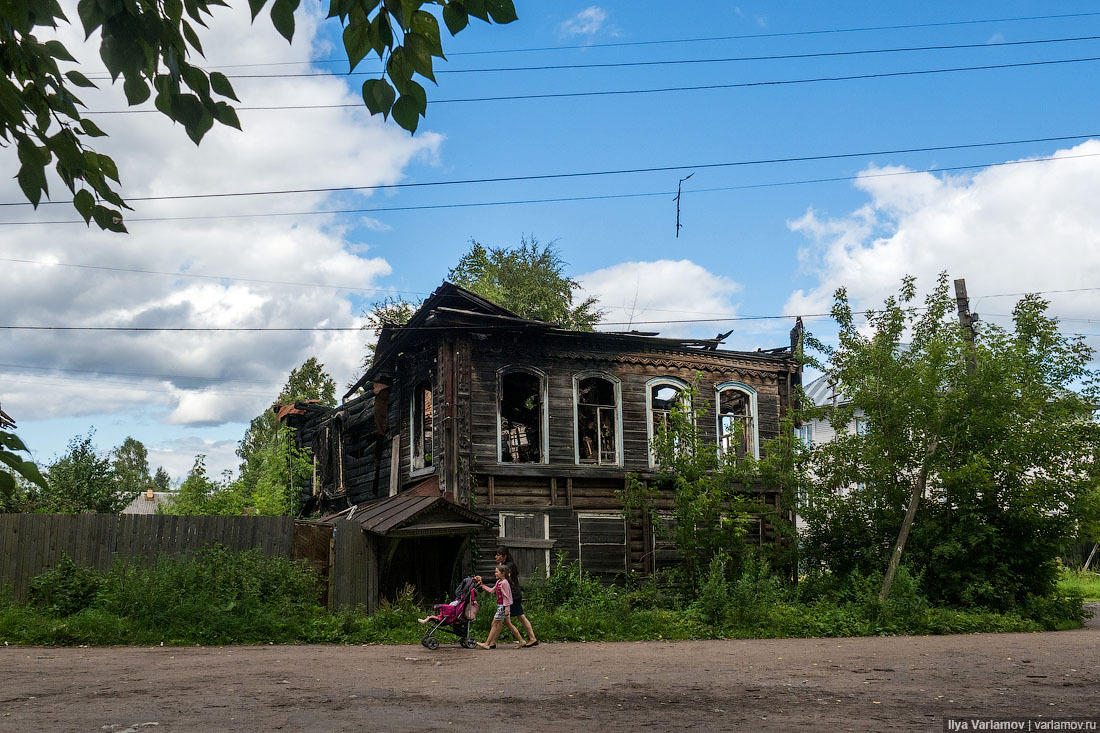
(422, 426)
(735, 429)
(520, 418)
(662, 398)
(597, 430)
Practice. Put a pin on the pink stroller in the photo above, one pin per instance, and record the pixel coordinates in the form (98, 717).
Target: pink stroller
(457, 616)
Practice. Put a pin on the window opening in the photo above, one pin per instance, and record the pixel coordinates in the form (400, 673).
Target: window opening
(423, 410)
(597, 432)
(663, 397)
(520, 418)
(735, 423)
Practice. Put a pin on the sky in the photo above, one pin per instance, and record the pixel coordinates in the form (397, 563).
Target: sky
(844, 163)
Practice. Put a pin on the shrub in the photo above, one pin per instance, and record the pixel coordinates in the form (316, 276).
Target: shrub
(714, 595)
(66, 588)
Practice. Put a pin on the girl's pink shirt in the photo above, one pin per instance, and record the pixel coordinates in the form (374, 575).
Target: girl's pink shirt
(503, 591)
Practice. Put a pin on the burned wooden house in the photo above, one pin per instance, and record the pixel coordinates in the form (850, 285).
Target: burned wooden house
(532, 426)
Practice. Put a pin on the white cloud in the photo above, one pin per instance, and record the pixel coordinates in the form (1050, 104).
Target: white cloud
(177, 456)
(663, 290)
(1006, 229)
(587, 22)
(293, 149)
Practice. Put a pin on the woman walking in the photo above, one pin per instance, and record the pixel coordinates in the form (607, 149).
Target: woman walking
(504, 557)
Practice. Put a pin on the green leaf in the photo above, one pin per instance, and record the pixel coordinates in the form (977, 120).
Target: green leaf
(107, 165)
(32, 179)
(282, 16)
(503, 11)
(90, 128)
(426, 25)
(356, 43)
(406, 112)
(58, 51)
(173, 9)
(221, 86)
(381, 34)
(79, 79)
(226, 115)
(379, 96)
(137, 91)
(196, 79)
(418, 54)
(11, 441)
(91, 17)
(456, 18)
(68, 153)
(398, 69)
(84, 203)
(256, 6)
(108, 219)
(191, 36)
(477, 9)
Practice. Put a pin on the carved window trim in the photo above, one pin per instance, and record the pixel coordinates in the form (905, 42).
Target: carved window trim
(544, 417)
(754, 416)
(617, 386)
(649, 385)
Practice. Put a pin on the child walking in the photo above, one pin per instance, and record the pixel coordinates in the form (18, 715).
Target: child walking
(503, 592)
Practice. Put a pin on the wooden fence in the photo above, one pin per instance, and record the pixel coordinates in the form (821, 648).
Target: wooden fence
(31, 544)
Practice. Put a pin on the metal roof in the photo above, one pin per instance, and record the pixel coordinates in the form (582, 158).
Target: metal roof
(398, 515)
(822, 392)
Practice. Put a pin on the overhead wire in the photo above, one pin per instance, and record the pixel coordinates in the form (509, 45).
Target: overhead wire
(605, 172)
(656, 90)
(562, 199)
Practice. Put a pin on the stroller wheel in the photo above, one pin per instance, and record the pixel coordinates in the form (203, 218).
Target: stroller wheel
(431, 642)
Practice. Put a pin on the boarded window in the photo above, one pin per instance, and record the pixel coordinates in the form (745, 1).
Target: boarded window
(735, 423)
(520, 418)
(602, 540)
(597, 422)
(422, 419)
(526, 535)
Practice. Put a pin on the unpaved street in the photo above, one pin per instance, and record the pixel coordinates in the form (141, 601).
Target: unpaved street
(907, 683)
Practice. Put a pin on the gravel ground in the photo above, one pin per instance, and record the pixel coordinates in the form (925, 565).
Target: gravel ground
(880, 684)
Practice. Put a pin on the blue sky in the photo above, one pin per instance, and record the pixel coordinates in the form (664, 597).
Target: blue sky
(780, 249)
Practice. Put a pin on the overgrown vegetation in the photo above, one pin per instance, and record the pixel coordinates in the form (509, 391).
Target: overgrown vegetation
(220, 597)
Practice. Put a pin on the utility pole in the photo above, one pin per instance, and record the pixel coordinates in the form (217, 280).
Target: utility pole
(968, 321)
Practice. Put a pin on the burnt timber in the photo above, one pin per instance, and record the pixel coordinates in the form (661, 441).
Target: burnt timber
(533, 426)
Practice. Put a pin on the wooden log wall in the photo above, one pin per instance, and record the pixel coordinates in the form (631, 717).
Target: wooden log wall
(354, 568)
(31, 544)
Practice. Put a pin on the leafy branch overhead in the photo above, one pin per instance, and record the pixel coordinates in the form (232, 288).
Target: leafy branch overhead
(149, 45)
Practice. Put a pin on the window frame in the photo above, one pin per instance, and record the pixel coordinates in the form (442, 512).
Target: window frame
(753, 405)
(649, 385)
(617, 386)
(413, 440)
(544, 417)
(604, 516)
(511, 542)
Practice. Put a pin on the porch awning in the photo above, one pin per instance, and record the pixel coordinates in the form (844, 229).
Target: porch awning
(411, 515)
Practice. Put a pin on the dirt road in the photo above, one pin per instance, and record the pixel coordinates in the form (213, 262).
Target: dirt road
(880, 684)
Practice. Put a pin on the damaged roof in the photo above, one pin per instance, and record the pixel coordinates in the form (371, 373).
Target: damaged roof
(412, 515)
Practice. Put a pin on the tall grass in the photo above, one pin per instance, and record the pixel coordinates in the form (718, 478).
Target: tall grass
(1084, 582)
(221, 597)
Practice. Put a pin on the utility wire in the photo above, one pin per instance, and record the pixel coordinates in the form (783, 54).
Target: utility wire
(610, 172)
(125, 386)
(682, 62)
(710, 39)
(660, 90)
(602, 197)
(146, 375)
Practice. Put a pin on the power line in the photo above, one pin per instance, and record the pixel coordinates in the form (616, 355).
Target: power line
(662, 90)
(563, 199)
(711, 39)
(684, 62)
(125, 386)
(610, 172)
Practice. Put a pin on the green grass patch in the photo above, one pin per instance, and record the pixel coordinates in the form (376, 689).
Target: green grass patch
(1084, 582)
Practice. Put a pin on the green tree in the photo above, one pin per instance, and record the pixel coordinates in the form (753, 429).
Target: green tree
(130, 465)
(149, 44)
(711, 511)
(310, 381)
(82, 481)
(196, 492)
(991, 441)
(161, 480)
(529, 280)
